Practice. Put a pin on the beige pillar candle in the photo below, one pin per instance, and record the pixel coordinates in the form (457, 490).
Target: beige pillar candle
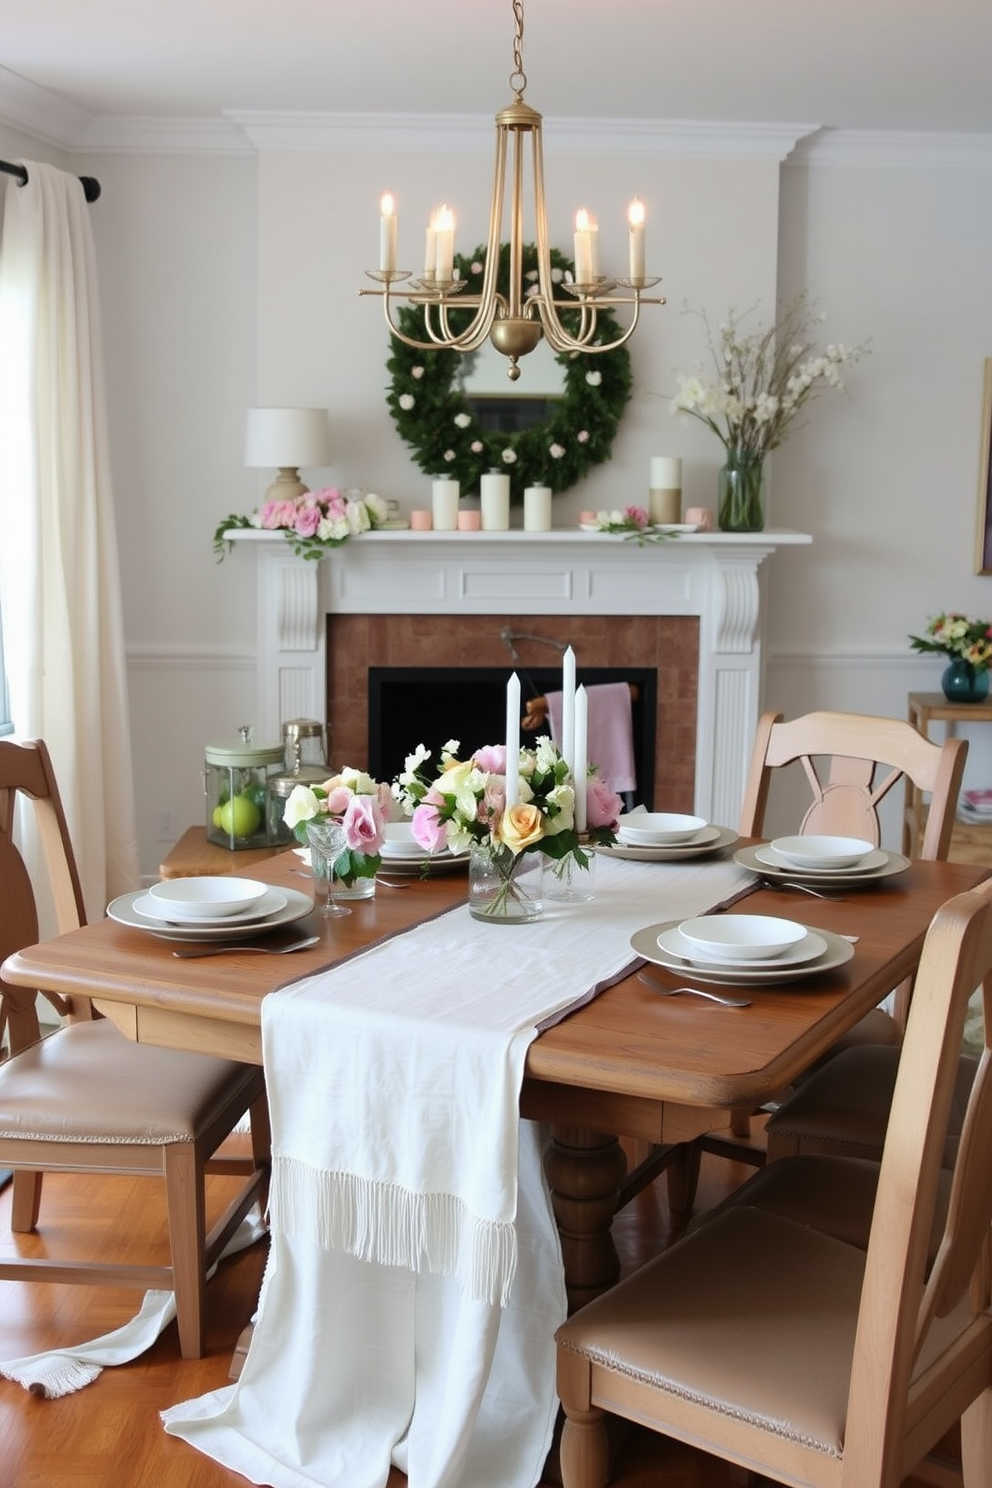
(665, 494)
(495, 502)
(537, 509)
(444, 504)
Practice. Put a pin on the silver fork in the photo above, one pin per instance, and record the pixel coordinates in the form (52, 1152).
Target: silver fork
(778, 883)
(667, 991)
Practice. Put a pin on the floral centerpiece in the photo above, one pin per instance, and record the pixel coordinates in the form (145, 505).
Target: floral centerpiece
(968, 643)
(763, 378)
(462, 805)
(312, 523)
(362, 805)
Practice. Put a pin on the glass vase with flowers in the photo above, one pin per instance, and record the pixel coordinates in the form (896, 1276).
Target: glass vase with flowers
(461, 804)
(362, 805)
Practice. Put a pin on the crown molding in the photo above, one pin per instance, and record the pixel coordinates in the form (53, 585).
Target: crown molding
(891, 147)
(40, 113)
(163, 136)
(473, 134)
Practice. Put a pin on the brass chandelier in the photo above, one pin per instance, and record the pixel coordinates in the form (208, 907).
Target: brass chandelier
(514, 321)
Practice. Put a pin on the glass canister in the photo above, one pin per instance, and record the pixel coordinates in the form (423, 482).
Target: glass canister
(303, 745)
(235, 780)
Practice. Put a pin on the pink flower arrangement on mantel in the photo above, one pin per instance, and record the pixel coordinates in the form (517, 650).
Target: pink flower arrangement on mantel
(313, 522)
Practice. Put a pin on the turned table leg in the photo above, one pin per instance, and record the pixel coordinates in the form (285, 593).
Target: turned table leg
(585, 1170)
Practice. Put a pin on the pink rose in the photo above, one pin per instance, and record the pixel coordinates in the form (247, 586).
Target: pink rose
(338, 800)
(363, 825)
(277, 514)
(603, 805)
(493, 802)
(427, 827)
(491, 758)
(307, 521)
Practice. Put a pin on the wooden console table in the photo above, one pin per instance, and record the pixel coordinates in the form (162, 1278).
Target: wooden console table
(971, 842)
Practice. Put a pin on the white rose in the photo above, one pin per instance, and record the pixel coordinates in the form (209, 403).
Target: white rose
(463, 420)
(407, 401)
(301, 805)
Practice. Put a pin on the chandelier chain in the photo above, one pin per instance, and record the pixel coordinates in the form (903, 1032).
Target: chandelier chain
(518, 78)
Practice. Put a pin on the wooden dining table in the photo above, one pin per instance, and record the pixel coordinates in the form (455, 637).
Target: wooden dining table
(629, 1063)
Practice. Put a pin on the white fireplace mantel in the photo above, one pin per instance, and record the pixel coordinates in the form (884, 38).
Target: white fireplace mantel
(715, 576)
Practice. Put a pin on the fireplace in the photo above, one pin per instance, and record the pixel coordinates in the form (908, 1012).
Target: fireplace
(430, 705)
(691, 609)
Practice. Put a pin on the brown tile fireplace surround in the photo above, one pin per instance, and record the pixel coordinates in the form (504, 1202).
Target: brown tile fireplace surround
(689, 608)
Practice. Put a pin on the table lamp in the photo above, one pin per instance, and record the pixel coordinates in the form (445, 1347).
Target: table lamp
(287, 438)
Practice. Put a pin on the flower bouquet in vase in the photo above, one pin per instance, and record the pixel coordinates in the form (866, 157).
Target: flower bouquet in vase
(362, 806)
(462, 805)
(968, 644)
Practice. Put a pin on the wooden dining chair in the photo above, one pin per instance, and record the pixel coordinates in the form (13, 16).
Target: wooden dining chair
(808, 1358)
(851, 762)
(85, 1099)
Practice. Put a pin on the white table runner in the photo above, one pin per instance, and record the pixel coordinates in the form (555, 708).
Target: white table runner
(415, 1280)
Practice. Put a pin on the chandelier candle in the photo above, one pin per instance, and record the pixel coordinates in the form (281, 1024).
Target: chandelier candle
(512, 741)
(387, 235)
(665, 495)
(495, 502)
(636, 219)
(444, 504)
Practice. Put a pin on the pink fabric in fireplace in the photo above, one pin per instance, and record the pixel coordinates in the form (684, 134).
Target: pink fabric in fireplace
(610, 743)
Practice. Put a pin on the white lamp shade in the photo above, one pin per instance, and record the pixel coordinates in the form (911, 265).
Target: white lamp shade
(290, 437)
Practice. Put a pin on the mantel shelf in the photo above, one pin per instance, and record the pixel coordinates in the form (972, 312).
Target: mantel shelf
(772, 538)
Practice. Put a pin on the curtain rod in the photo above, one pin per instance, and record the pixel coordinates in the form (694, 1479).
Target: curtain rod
(91, 186)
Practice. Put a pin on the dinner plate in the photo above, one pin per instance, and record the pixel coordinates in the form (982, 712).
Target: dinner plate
(122, 909)
(442, 862)
(710, 839)
(808, 949)
(151, 908)
(647, 944)
(761, 860)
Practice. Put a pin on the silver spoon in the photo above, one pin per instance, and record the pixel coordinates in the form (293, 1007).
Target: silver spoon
(719, 997)
(778, 883)
(223, 950)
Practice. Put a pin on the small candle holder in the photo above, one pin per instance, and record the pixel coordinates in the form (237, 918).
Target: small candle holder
(387, 276)
(436, 289)
(636, 284)
(594, 290)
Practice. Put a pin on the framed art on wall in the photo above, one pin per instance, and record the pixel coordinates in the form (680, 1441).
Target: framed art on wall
(983, 540)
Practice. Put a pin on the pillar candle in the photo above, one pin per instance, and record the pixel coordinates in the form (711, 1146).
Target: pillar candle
(444, 504)
(537, 509)
(636, 219)
(445, 228)
(581, 757)
(387, 234)
(568, 707)
(582, 245)
(665, 496)
(512, 741)
(495, 502)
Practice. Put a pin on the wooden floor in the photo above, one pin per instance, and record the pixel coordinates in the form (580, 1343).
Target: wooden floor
(109, 1434)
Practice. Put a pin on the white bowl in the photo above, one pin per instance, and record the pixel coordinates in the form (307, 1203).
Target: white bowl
(207, 897)
(822, 852)
(659, 828)
(399, 841)
(741, 937)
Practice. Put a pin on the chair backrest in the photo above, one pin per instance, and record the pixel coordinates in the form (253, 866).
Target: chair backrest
(26, 771)
(920, 1334)
(852, 761)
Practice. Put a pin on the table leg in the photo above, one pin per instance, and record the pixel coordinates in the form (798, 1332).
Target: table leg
(585, 1170)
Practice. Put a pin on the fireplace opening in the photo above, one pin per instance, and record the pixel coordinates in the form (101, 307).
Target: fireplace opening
(430, 705)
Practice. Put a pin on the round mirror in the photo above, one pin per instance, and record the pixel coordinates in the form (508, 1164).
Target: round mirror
(548, 429)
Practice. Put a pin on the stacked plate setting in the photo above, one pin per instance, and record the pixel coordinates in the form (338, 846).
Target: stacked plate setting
(402, 853)
(821, 859)
(209, 908)
(743, 949)
(663, 836)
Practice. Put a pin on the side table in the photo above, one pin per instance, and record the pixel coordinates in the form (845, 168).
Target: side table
(971, 842)
(194, 855)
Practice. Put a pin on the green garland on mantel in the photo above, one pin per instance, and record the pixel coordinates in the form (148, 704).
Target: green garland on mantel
(433, 416)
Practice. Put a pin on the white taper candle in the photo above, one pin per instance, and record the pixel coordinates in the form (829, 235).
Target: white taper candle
(567, 745)
(581, 756)
(512, 741)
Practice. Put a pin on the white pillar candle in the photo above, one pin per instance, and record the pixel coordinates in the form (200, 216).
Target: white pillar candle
(567, 745)
(512, 741)
(635, 217)
(430, 247)
(444, 504)
(581, 757)
(445, 226)
(537, 509)
(494, 492)
(387, 234)
(666, 473)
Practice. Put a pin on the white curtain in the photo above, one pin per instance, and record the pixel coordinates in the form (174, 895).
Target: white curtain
(59, 574)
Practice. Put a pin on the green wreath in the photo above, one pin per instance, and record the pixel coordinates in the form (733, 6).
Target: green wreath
(434, 418)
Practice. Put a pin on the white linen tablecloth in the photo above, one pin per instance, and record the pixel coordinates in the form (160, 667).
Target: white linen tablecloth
(415, 1280)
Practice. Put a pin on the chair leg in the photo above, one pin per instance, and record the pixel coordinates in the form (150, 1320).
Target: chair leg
(976, 1442)
(261, 1133)
(186, 1202)
(25, 1204)
(683, 1179)
(585, 1450)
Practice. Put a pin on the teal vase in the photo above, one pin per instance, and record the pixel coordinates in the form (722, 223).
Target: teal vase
(742, 491)
(963, 683)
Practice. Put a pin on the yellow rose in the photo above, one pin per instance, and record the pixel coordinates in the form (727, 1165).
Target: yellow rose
(519, 827)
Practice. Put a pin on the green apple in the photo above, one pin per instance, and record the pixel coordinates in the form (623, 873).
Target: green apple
(240, 817)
